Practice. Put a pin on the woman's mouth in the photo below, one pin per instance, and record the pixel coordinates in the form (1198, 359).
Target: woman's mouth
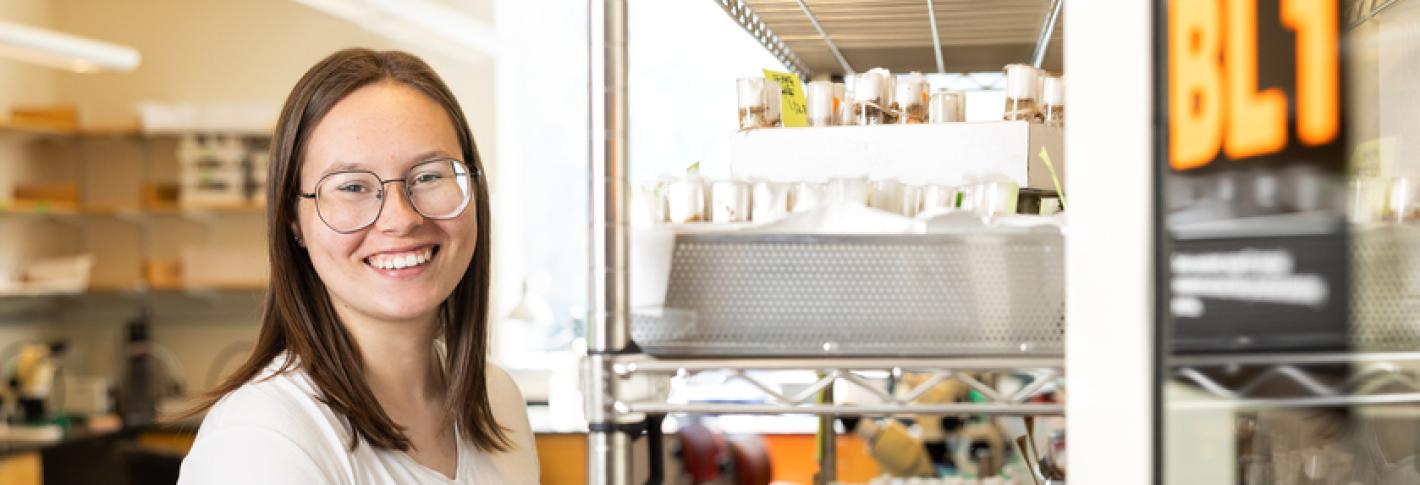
(391, 261)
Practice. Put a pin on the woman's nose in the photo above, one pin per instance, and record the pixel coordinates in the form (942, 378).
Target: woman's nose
(398, 215)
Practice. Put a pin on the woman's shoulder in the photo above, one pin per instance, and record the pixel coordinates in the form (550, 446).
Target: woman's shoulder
(276, 420)
(519, 464)
(280, 398)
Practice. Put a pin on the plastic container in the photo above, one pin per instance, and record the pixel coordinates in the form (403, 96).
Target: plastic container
(910, 99)
(1020, 92)
(685, 200)
(806, 196)
(769, 201)
(821, 103)
(1052, 93)
(729, 201)
(868, 98)
(773, 98)
(842, 108)
(753, 111)
(946, 107)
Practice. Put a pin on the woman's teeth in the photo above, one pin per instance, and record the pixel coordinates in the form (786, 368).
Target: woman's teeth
(400, 260)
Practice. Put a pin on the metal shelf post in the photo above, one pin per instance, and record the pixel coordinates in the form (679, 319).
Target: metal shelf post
(608, 451)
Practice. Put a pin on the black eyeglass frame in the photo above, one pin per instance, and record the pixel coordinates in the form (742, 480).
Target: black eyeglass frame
(473, 173)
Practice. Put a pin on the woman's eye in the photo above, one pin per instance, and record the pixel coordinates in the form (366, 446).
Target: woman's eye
(425, 178)
(353, 188)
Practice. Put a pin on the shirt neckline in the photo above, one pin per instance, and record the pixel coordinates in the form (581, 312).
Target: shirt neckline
(459, 460)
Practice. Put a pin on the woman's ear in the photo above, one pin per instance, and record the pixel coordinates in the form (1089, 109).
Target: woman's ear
(296, 234)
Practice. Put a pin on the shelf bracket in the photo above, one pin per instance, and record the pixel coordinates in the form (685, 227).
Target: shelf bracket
(1046, 31)
(742, 14)
(936, 37)
(842, 62)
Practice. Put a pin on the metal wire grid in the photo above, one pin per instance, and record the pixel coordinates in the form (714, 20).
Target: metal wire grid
(1045, 373)
(1301, 380)
(752, 23)
(1357, 12)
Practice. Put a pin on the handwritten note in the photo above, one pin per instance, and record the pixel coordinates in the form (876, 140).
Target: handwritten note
(794, 107)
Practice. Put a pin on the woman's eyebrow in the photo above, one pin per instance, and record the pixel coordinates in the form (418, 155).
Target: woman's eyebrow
(431, 154)
(342, 167)
(422, 157)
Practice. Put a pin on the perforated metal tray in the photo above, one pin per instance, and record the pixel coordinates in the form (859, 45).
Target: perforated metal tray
(1385, 299)
(868, 295)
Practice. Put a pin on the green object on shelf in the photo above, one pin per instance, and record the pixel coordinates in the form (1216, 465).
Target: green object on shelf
(41, 206)
(1045, 157)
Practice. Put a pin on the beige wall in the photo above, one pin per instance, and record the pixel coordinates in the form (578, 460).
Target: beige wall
(20, 85)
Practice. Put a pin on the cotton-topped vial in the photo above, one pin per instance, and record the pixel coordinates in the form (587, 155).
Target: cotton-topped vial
(1052, 94)
(868, 99)
(752, 106)
(946, 107)
(821, 103)
(910, 99)
(888, 91)
(842, 108)
(1020, 92)
(773, 96)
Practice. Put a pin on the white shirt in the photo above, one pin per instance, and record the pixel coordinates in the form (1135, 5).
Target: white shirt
(275, 431)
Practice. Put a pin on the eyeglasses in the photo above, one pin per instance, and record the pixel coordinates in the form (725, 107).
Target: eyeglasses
(351, 200)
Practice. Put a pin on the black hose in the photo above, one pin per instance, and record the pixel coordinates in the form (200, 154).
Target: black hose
(654, 446)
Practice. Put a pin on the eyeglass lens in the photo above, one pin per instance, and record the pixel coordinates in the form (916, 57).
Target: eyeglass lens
(349, 201)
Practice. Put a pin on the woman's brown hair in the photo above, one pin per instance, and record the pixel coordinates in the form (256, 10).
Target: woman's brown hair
(298, 318)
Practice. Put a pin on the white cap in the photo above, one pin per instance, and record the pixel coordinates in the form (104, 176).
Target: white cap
(868, 86)
(820, 98)
(911, 89)
(1020, 81)
(1053, 91)
(751, 89)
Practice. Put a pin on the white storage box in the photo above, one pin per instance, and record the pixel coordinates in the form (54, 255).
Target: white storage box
(944, 153)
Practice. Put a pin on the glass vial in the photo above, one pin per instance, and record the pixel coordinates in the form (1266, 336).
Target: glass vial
(1052, 94)
(821, 103)
(868, 98)
(910, 99)
(1020, 92)
(752, 106)
(773, 96)
(729, 201)
(889, 89)
(946, 107)
(841, 115)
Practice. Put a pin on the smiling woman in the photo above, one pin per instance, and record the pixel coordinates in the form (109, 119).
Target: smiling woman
(371, 365)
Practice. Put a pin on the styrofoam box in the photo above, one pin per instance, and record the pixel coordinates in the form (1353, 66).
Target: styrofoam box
(944, 153)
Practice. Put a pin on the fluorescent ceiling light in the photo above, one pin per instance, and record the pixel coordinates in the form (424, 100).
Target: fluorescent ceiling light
(416, 22)
(63, 51)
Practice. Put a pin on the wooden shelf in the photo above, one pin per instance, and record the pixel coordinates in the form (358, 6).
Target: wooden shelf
(220, 209)
(38, 213)
(43, 211)
(33, 128)
(178, 288)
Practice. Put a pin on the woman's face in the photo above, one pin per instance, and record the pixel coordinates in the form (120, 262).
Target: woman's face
(385, 128)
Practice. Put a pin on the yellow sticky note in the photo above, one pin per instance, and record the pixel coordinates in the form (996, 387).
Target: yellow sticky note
(793, 106)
